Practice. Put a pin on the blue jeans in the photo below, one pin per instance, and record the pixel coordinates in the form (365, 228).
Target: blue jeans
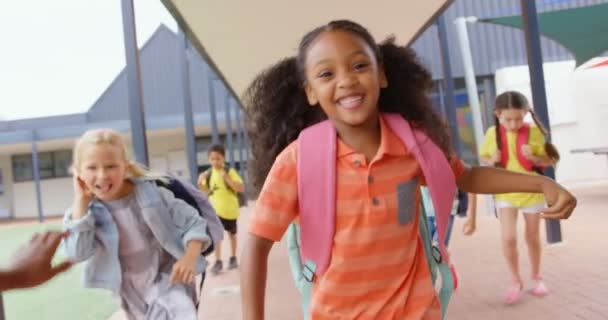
(433, 229)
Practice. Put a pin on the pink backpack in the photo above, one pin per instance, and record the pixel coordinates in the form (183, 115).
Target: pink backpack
(311, 242)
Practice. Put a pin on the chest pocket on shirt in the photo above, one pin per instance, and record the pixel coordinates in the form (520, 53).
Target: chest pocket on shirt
(406, 201)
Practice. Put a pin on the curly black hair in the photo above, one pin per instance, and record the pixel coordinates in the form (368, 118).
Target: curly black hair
(277, 109)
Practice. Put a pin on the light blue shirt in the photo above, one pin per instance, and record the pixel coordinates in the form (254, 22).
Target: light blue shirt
(94, 238)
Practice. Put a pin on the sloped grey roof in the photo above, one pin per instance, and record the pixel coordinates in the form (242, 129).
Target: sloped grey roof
(160, 74)
(162, 96)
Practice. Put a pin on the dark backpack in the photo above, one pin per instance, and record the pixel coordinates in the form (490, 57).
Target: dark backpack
(240, 195)
(195, 198)
(463, 203)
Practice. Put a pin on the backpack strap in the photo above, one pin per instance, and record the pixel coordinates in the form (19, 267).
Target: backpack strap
(523, 137)
(435, 167)
(432, 258)
(316, 177)
(303, 285)
(316, 180)
(504, 148)
(227, 170)
(180, 190)
(208, 181)
(447, 287)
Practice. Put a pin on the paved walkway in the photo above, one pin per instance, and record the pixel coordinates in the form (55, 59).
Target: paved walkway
(576, 271)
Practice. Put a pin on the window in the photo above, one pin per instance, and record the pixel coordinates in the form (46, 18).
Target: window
(53, 164)
(45, 165)
(22, 168)
(62, 163)
(202, 143)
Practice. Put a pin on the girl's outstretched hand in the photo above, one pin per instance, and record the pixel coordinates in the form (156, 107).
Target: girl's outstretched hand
(32, 263)
(496, 158)
(560, 201)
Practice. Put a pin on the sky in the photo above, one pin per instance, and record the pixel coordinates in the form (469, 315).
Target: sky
(57, 57)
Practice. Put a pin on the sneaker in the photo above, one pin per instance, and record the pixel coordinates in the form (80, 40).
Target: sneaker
(232, 264)
(514, 293)
(539, 290)
(217, 267)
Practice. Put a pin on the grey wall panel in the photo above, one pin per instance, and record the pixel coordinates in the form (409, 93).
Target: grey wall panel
(492, 46)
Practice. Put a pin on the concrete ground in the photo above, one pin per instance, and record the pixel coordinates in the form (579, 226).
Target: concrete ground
(575, 271)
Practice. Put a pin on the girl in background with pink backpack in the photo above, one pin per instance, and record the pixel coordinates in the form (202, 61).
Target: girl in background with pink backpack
(375, 266)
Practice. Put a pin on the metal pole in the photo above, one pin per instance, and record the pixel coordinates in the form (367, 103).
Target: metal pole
(229, 144)
(36, 174)
(247, 144)
(450, 106)
(239, 138)
(489, 94)
(471, 82)
(441, 94)
(215, 135)
(539, 96)
(246, 150)
(188, 114)
(136, 105)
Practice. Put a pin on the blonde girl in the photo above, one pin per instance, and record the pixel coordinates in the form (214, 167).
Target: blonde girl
(137, 239)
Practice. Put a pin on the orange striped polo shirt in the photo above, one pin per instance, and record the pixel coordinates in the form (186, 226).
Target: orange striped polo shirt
(378, 268)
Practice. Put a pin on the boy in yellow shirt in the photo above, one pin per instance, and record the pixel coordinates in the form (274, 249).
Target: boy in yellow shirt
(222, 184)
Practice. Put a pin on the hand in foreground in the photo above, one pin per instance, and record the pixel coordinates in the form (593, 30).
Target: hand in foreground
(31, 264)
(560, 201)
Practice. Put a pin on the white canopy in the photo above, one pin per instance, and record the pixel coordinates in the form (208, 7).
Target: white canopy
(241, 38)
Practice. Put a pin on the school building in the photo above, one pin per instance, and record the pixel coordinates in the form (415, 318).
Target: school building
(577, 107)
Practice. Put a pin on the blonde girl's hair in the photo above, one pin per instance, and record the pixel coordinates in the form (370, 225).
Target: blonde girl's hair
(96, 137)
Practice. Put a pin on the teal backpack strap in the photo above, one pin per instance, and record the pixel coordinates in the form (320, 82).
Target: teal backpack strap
(447, 287)
(293, 249)
(308, 274)
(433, 258)
(427, 242)
(300, 272)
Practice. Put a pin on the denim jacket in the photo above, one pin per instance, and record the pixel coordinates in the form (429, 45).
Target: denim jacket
(94, 237)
